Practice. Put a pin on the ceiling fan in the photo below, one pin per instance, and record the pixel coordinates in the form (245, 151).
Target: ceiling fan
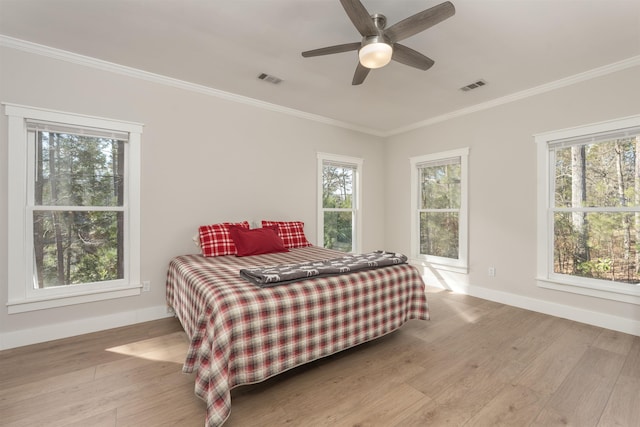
(380, 45)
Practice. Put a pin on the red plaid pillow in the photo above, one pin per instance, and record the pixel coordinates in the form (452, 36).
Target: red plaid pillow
(291, 233)
(215, 239)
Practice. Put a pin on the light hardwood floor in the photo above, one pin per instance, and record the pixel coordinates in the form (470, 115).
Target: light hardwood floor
(476, 363)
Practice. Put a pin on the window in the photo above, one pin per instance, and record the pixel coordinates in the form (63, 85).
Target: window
(439, 209)
(589, 210)
(73, 208)
(339, 202)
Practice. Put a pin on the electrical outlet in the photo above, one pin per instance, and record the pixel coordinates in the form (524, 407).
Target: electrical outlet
(492, 272)
(146, 286)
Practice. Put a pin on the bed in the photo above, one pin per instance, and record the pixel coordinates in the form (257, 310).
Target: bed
(241, 333)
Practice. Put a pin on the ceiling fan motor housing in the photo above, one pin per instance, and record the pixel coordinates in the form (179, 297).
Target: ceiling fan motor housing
(379, 20)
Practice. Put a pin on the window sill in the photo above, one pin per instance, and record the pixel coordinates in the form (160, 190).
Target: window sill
(612, 292)
(33, 304)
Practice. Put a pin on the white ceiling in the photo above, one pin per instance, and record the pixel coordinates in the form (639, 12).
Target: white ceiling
(514, 45)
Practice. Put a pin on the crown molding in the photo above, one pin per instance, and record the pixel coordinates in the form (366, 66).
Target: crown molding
(87, 61)
(634, 61)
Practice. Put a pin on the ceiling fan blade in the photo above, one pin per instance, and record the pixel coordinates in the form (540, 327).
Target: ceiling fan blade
(360, 74)
(420, 21)
(360, 17)
(410, 57)
(332, 49)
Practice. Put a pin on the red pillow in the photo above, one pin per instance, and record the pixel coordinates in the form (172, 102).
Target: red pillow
(257, 241)
(291, 233)
(215, 239)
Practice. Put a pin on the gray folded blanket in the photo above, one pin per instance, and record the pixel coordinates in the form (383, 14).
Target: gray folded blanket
(287, 273)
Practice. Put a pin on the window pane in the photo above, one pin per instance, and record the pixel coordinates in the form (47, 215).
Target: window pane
(439, 234)
(597, 245)
(337, 186)
(597, 175)
(72, 247)
(75, 170)
(338, 228)
(440, 186)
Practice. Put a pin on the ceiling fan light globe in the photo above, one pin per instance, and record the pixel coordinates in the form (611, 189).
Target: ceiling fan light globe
(375, 55)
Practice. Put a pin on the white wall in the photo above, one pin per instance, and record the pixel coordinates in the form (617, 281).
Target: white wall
(207, 159)
(502, 186)
(204, 160)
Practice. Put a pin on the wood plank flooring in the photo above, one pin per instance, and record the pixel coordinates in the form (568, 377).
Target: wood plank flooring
(476, 363)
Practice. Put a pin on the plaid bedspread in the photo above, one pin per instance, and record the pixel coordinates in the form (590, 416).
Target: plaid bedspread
(242, 334)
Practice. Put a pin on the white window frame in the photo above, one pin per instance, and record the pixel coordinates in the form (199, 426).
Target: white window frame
(23, 296)
(460, 265)
(356, 163)
(545, 277)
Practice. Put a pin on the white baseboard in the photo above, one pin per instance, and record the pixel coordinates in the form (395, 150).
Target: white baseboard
(78, 327)
(41, 334)
(608, 321)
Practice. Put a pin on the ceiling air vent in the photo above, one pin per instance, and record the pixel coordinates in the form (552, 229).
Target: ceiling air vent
(271, 79)
(473, 85)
